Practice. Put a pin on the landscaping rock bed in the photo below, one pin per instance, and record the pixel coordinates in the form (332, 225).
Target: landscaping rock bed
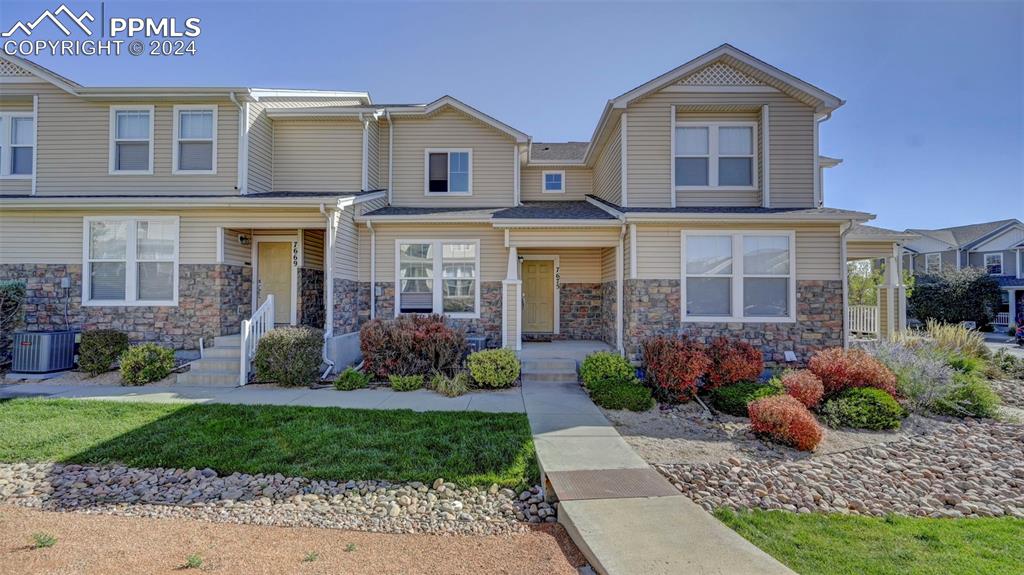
(969, 469)
(1010, 391)
(375, 506)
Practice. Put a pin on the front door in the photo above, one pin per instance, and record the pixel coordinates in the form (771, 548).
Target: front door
(275, 277)
(539, 296)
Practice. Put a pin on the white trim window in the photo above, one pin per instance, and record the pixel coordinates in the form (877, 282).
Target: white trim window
(447, 172)
(131, 140)
(715, 155)
(552, 181)
(17, 145)
(130, 261)
(195, 140)
(738, 277)
(994, 263)
(932, 263)
(438, 276)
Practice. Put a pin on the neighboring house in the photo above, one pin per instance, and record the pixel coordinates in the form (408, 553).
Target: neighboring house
(696, 207)
(997, 247)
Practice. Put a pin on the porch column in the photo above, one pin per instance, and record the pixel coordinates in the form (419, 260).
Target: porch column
(1013, 306)
(511, 310)
(891, 297)
(619, 291)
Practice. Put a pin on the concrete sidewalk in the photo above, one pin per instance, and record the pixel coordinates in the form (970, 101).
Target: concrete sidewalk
(503, 401)
(625, 517)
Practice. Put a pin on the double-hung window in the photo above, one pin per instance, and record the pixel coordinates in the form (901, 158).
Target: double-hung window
(448, 172)
(738, 276)
(131, 140)
(553, 182)
(932, 263)
(17, 144)
(715, 155)
(195, 140)
(994, 264)
(438, 276)
(131, 260)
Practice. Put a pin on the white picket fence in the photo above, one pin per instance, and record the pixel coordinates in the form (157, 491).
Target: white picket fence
(864, 319)
(253, 329)
(1003, 318)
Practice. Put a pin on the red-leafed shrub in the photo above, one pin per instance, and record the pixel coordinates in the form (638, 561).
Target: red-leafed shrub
(804, 386)
(841, 369)
(411, 345)
(673, 365)
(732, 361)
(785, 420)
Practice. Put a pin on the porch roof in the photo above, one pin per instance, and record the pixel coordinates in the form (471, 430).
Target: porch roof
(265, 199)
(727, 213)
(1009, 281)
(530, 212)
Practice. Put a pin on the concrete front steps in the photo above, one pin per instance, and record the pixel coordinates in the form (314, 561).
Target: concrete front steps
(549, 370)
(219, 365)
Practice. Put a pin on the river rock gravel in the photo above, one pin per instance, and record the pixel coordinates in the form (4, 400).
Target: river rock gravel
(973, 468)
(375, 506)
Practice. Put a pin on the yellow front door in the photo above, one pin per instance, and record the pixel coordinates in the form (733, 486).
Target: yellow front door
(539, 296)
(275, 277)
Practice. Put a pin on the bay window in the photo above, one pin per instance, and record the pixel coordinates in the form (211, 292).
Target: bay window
(17, 144)
(131, 140)
(448, 172)
(730, 276)
(438, 276)
(715, 155)
(195, 140)
(131, 261)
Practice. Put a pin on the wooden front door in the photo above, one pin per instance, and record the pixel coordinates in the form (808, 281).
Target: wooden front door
(275, 277)
(539, 296)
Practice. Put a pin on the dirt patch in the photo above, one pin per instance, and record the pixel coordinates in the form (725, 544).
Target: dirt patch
(104, 544)
(687, 434)
(82, 378)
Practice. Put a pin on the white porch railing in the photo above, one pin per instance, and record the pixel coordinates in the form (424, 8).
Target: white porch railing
(1003, 318)
(864, 319)
(252, 330)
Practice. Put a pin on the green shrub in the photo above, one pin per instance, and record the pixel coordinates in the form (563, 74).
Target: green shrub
(12, 302)
(495, 368)
(953, 296)
(971, 396)
(605, 366)
(99, 349)
(624, 394)
(406, 382)
(733, 399)
(1005, 365)
(453, 386)
(289, 356)
(43, 540)
(966, 363)
(146, 363)
(863, 408)
(351, 379)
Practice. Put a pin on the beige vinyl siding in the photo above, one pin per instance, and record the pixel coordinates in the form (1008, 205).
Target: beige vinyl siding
(346, 247)
(627, 251)
(608, 265)
(261, 149)
(313, 249)
(817, 249)
(234, 252)
(14, 103)
(55, 237)
(492, 163)
(884, 329)
(493, 255)
(318, 156)
(856, 250)
(383, 137)
(553, 238)
(511, 317)
(15, 186)
(578, 183)
(791, 134)
(608, 168)
(372, 156)
(371, 205)
(725, 197)
(73, 136)
(576, 265)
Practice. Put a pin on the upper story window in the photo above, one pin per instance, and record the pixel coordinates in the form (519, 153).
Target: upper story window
(448, 172)
(131, 140)
(994, 264)
(17, 145)
(554, 182)
(738, 277)
(932, 263)
(195, 140)
(438, 276)
(131, 261)
(715, 155)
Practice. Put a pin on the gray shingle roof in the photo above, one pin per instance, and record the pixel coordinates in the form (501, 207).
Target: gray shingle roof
(558, 151)
(730, 210)
(1009, 281)
(242, 196)
(866, 232)
(960, 236)
(432, 211)
(561, 210)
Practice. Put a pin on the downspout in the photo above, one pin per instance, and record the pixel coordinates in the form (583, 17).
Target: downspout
(819, 194)
(373, 268)
(328, 287)
(243, 144)
(846, 287)
(391, 161)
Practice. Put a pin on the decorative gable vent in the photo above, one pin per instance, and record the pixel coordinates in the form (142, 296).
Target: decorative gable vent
(719, 74)
(8, 69)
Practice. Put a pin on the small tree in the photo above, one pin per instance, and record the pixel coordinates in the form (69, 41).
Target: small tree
(953, 296)
(863, 281)
(12, 303)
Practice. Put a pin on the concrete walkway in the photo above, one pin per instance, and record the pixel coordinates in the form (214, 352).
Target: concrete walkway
(624, 516)
(504, 401)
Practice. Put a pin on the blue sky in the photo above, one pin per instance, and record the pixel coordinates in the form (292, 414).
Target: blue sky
(932, 133)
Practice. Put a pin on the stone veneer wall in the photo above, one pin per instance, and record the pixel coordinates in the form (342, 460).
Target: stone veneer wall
(652, 308)
(580, 311)
(608, 307)
(212, 300)
(311, 297)
(488, 324)
(348, 306)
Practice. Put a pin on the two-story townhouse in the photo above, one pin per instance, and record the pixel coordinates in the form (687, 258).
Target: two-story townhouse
(696, 207)
(997, 247)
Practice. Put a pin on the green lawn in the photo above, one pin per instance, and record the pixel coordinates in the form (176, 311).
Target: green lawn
(468, 448)
(851, 545)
